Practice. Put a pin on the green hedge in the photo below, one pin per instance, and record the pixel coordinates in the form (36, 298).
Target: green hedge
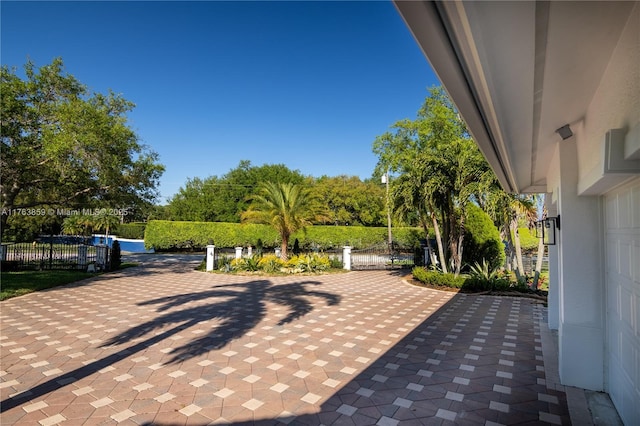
(438, 278)
(175, 235)
(134, 231)
(528, 239)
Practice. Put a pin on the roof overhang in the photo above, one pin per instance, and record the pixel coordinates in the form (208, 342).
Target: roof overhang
(518, 71)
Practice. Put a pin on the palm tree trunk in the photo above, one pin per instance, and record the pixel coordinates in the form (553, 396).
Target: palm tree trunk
(518, 247)
(538, 263)
(436, 230)
(283, 248)
(460, 247)
(425, 227)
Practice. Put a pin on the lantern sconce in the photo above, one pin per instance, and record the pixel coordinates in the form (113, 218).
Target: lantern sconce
(546, 229)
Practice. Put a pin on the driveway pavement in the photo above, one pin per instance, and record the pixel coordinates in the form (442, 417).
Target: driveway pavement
(161, 344)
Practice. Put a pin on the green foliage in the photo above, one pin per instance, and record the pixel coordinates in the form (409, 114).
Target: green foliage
(483, 271)
(224, 198)
(311, 263)
(77, 225)
(484, 277)
(166, 235)
(528, 239)
(134, 231)
(350, 201)
(116, 256)
(440, 168)
(437, 278)
(271, 263)
(19, 283)
(482, 240)
(286, 207)
(63, 147)
(246, 264)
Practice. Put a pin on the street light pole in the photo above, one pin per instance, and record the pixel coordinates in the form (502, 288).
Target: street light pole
(385, 179)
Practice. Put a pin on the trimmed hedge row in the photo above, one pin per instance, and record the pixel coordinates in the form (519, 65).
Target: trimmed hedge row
(174, 235)
(134, 231)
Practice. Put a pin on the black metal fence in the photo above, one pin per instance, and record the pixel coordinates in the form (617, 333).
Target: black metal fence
(384, 256)
(55, 253)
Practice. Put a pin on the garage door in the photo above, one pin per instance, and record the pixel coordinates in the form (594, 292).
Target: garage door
(622, 233)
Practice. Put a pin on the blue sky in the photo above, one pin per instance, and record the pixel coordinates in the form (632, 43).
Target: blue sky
(306, 84)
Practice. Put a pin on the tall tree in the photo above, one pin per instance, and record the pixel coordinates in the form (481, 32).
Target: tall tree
(63, 147)
(284, 206)
(455, 171)
(350, 201)
(508, 211)
(224, 198)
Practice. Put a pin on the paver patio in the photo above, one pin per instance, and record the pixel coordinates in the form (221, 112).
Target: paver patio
(162, 344)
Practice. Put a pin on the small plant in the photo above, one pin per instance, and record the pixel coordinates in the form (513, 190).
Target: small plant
(246, 264)
(482, 277)
(483, 271)
(270, 264)
(224, 263)
(335, 262)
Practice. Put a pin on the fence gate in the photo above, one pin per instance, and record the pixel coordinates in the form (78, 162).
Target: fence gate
(54, 253)
(383, 256)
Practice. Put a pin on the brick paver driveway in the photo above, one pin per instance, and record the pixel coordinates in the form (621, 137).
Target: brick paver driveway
(162, 344)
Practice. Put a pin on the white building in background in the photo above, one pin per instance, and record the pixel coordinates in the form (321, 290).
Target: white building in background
(551, 93)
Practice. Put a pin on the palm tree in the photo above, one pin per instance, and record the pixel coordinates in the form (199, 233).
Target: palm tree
(507, 210)
(77, 225)
(413, 192)
(285, 206)
(104, 220)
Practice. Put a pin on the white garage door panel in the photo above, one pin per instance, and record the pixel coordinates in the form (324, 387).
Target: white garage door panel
(622, 220)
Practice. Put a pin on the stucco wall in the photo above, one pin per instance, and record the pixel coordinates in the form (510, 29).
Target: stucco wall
(616, 103)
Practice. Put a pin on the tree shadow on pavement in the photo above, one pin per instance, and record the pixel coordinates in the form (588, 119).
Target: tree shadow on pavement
(237, 307)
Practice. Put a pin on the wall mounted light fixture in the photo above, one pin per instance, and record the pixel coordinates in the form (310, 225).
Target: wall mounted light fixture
(546, 229)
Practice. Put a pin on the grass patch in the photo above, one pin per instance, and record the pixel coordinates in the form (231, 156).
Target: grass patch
(14, 284)
(18, 283)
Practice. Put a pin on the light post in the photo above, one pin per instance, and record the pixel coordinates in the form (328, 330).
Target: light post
(385, 180)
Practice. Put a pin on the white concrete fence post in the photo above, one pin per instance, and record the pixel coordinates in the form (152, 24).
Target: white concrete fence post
(238, 252)
(346, 257)
(249, 251)
(211, 251)
(278, 252)
(102, 255)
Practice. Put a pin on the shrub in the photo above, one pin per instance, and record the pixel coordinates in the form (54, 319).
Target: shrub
(335, 262)
(271, 263)
(245, 264)
(169, 235)
(309, 263)
(116, 256)
(437, 278)
(528, 239)
(224, 263)
(482, 240)
(10, 265)
(134, 231)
